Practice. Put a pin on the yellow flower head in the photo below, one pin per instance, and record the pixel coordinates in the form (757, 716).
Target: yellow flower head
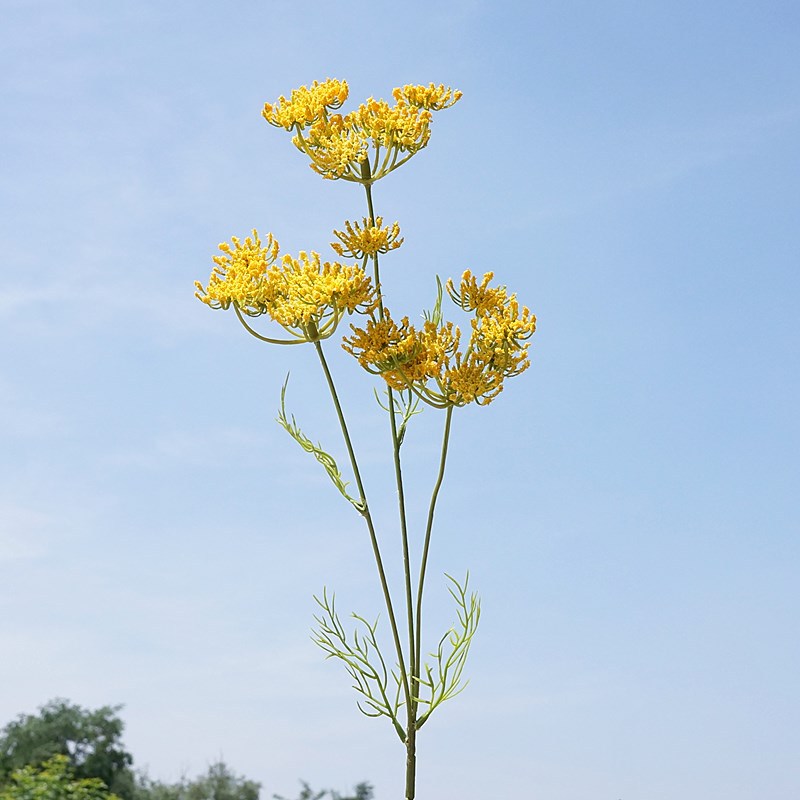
(472, 296)
(468, 381)
(383, 346)
(339, 145)
(403, 356)
(433, 98)
(404, 128)
(430, 361)
(308, 297)
(335, 146)
(440, 343)
(239, 275)
(359, 240)
(499, 338)
(306, 104)
(498, 346)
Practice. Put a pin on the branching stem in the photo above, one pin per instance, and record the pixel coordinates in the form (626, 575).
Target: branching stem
(255, 333)
(370, 525)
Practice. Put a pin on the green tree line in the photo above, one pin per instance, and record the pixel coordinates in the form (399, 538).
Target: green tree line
(66, 752)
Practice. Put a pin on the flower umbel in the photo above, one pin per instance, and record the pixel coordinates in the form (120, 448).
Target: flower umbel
(239, 275)
(335, 146)
(308, 297)
(429, 362)
(432, 97)
(359, 240)
(366, 144)
(472, 296)
(402, 355)
(498, 344)
(306, 105)
(304, 295)
(399, 128)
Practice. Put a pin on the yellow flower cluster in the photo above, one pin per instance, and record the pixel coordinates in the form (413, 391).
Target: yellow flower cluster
(472, 296)
(403, 356)
(334, 146)
(431, 97)
(238, 276)
(430, 362)
(309, 297)
(306, 105)
(469, 381)
(360, 240)
(339, 145)
(402, 127)
(304, 295)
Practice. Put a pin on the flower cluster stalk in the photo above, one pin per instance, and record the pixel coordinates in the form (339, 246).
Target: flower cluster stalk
(413, 652)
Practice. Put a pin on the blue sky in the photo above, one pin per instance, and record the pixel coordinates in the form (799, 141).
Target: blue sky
(627, 508)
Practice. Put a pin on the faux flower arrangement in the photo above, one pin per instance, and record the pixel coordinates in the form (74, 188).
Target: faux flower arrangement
(431, 363)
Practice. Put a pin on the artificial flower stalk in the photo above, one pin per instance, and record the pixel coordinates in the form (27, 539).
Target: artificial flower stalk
(411, 719)
(425, 365)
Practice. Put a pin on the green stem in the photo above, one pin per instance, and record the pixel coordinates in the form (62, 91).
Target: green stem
(368, 188)
(398, 470)
(259, 336)
(411, 762)
(370, 525)
(411, 731)
(426, 546)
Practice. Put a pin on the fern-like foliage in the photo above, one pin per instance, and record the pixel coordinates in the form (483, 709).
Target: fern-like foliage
(324, 458)
(443, 680)
(406, 405)
(361, 655)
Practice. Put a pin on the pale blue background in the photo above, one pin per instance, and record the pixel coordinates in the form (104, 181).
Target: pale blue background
(628, 507)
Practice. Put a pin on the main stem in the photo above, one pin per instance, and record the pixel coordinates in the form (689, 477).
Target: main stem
(370, 526)
(411, 726)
